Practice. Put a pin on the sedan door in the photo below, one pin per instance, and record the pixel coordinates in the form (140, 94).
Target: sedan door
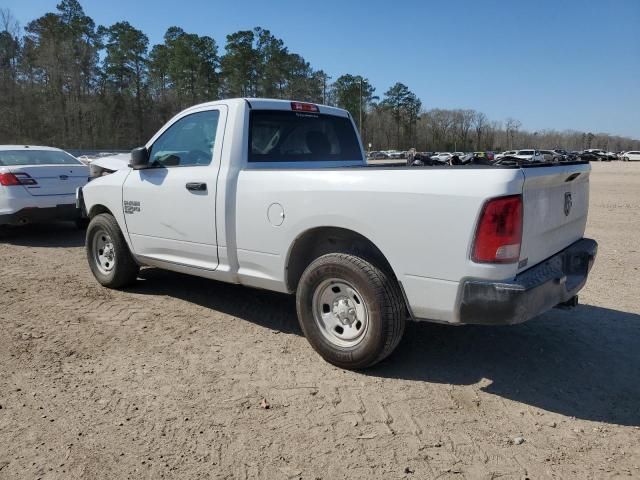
(170, 206)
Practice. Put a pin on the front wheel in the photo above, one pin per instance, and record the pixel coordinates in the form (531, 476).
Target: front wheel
(109, 257)
(351, 312)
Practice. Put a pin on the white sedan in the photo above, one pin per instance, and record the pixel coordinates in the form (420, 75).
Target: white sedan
(38, 184)
(631, 156)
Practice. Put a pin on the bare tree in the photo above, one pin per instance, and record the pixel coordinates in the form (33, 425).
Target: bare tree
(512, 126)
(8, 22)
(480, 124)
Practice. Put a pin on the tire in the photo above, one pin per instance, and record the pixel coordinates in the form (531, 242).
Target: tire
(351, 312)
(109, 257)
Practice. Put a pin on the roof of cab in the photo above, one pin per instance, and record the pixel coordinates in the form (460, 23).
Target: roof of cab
(271, 104)
(28, 147)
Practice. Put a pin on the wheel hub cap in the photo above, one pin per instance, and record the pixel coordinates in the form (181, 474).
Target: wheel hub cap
(104, 253)
(340, 312)
(344, 309)
(108, 252)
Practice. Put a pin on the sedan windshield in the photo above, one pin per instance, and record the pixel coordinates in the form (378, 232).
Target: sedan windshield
(11, 158)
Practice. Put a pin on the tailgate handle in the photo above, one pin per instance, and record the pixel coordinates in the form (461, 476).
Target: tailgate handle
(196, 186)
(572, 177)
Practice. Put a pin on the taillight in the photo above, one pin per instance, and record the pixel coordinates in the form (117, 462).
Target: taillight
(304, 107)
(499, 232)
(9, 179)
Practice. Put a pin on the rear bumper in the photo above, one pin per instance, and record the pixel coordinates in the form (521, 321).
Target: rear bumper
(36, 215)
(531, 293)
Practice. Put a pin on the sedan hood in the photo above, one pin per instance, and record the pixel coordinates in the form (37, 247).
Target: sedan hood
(110, 164)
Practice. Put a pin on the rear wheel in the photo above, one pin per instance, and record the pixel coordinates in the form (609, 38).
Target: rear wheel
(351, 312)
(109, 257)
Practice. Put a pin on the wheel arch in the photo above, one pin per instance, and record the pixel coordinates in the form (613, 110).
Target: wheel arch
(97, 210)
(319, 241)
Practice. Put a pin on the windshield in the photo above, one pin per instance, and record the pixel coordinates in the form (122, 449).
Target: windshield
(11, 158)
(525, 152)
(282, 136)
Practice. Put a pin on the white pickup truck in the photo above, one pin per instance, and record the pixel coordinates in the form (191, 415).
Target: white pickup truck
(277, 195)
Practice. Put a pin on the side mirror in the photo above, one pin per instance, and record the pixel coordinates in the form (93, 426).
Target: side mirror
(139, 158)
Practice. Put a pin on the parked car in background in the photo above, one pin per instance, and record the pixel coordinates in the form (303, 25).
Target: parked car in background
(491, 156)
(632, 156)
(529, 155)
(442, 156)
(551, 155)
(38, 184)
(396, 155)
(289, 204)
(564, 155)
(589, 157)
(600, 155)
(424, 157)
(508, 153)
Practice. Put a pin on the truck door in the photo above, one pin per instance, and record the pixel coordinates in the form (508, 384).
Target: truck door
(170, 207)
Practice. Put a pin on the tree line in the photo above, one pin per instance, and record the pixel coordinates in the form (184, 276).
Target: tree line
(67, 82)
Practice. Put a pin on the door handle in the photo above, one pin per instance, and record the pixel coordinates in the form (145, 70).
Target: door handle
(196, 187)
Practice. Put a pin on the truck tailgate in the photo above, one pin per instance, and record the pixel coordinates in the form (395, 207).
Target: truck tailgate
(556, 202)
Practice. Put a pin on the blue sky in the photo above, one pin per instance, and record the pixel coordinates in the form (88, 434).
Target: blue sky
(551, 64)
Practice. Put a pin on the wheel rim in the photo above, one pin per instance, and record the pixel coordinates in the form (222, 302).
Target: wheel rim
(104, 254)
(340, 312)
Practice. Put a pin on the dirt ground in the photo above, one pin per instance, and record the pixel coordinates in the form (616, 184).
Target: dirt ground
(166, 379)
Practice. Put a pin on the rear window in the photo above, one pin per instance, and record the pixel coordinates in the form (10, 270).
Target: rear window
(281, 136)
(11, 158)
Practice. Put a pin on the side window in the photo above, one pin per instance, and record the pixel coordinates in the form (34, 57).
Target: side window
(188, 142)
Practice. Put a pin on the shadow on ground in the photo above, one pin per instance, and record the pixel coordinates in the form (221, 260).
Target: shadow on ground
(267, 309)
(58, 234)
(583, 363)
